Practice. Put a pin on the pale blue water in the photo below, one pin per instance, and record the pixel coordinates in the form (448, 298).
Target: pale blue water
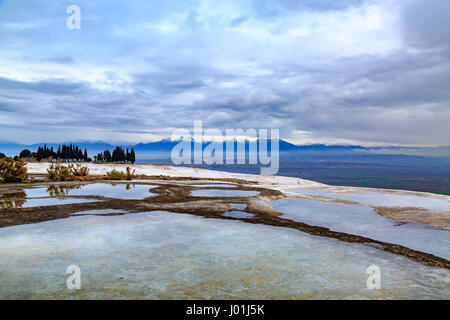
(238, 214)
(361, 220)
(223, 193)
(238, 206)
(160, 255)
(118, 191)
(384, 199)
(29, 203)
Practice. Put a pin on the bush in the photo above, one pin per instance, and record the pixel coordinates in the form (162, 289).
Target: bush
(115, 175)
(52, 172)
(79, 171)
(66, 173)
(119, 175)
(57, 172)
(13, 170)
(2, 155)
(130, 174)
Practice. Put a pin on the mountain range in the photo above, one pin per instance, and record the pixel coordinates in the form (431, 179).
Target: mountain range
(162, 149)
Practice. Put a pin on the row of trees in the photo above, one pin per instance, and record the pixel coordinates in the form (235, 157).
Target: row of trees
(118, 155)
(75, 153)
(65, 152)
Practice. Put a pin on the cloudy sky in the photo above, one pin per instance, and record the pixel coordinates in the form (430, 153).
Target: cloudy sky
(329, 71)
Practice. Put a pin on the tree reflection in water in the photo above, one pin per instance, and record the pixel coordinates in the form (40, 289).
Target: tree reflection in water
(61, 191)
(13, 200)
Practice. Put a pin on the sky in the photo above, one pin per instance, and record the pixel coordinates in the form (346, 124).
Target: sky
(321, 71)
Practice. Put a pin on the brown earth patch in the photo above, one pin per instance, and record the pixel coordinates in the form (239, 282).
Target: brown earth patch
(438, 219)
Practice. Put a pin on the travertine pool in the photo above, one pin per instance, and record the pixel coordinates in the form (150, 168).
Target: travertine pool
(361, 220)
(162, 255)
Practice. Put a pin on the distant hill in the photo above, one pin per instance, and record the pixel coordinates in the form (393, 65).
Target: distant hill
(162, 149)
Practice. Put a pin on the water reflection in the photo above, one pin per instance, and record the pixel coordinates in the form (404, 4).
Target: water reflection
(10, 195)
(12, 200)
(108, 190)
(9, 204)
(40, 202)
(61, 191)
(58, 194)
(118, 191)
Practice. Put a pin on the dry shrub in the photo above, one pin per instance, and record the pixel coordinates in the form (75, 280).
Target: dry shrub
(13, 170)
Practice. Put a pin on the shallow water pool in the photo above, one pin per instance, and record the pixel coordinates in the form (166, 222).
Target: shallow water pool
(238, 206)
(381, 199)
(160, 255)
(362, 221)
(118, 191)
(223, 193)
(214, 185)
(98, 212)
(238, 214)
(29, 203)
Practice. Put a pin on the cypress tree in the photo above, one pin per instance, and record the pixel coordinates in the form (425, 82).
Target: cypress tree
(132, 156)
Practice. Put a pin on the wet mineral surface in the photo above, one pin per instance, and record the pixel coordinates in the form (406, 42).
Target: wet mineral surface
(197, 239)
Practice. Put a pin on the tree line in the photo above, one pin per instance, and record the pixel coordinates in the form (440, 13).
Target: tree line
(75, 153)
(65, 152)
(118, 155)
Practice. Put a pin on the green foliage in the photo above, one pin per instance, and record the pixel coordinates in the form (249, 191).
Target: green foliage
(65, 173)
(45, 152)
(130, 174)
(118, 155)
(115, 175)
(57, 172)
(2, 155)
(13, 170)
(25, 154)
(79, 171)
(52, 172)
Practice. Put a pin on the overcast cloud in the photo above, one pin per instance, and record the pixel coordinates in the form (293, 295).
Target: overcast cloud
(137, 69)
